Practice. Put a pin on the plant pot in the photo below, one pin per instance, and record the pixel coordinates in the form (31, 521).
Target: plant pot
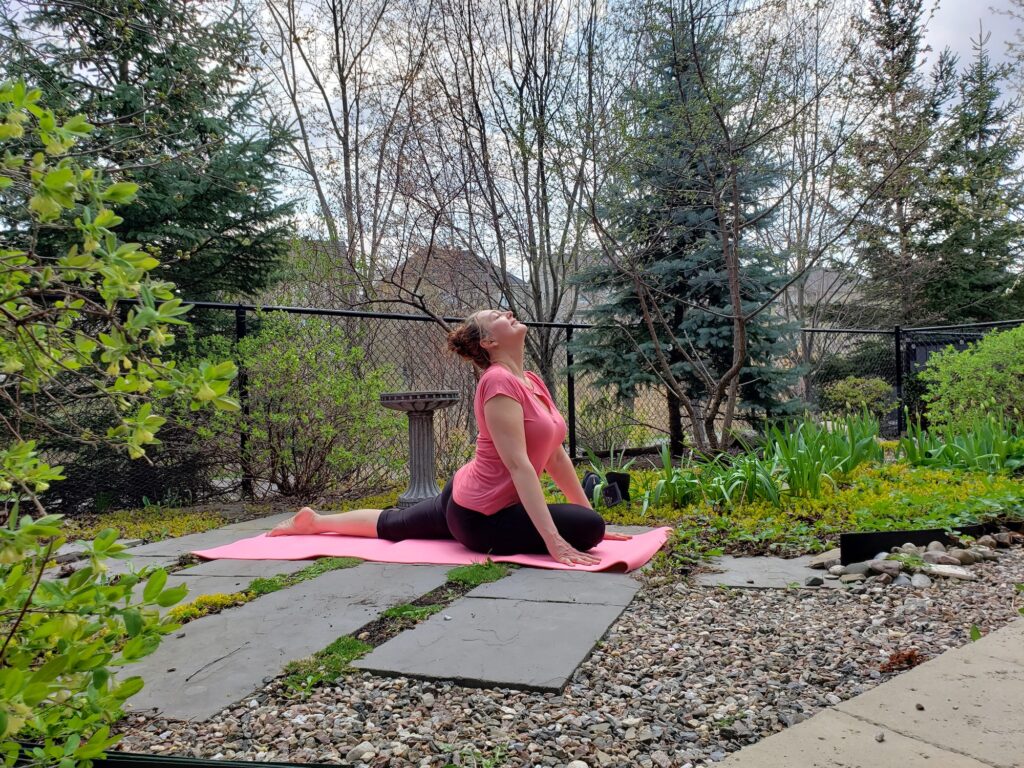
(611, 494)
(620, 480)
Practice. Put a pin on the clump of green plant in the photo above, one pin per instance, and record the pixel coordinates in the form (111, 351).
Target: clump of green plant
(411, 612)
(85, 320)
(988, 444)
(854, 395)
(153, 523)
(478, 573)
(324, 666)
(985, 379)
(204, 605)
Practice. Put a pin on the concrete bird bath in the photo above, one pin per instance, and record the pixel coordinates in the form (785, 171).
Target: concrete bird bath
(420, 407)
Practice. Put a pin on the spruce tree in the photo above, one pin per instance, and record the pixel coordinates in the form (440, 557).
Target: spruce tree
(169, 87)
(974, 231)
(889, 162)
(659, 208)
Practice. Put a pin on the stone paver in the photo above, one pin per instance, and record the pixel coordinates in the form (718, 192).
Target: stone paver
(561, 587)
(529, 630)
(193, 541)
(760, 572)
(961, 709)
(217, 660)
(486, 642)
(251, 568)
(254, 526)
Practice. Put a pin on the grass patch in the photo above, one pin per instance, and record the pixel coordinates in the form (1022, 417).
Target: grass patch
(151, 523)
(478, 573)
(204, 605)
(411, 612)
(326, 665)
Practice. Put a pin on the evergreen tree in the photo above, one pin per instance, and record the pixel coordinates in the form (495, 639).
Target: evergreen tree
(889, 162)
(974, 232)
(660, 209)
(168, 86)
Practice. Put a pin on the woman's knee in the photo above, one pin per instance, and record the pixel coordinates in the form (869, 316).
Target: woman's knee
(587, 527)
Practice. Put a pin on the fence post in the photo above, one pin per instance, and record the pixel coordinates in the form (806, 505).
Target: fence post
(570, 392)
(240, 331)
(897, 333)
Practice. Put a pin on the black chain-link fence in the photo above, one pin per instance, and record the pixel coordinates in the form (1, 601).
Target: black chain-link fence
(312, 427)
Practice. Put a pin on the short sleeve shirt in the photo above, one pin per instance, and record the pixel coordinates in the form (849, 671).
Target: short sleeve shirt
(485, 484)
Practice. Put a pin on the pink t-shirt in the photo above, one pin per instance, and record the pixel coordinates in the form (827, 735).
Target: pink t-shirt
(484, 484)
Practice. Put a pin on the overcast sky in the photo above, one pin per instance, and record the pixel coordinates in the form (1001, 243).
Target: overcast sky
(956, 22)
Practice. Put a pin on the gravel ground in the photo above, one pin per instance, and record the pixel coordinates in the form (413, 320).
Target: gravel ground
(685, 676)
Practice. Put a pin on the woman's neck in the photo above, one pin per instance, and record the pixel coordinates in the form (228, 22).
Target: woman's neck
(514, 366)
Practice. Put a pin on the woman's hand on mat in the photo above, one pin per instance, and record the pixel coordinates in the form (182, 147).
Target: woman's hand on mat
(562, 551)
(615, 536)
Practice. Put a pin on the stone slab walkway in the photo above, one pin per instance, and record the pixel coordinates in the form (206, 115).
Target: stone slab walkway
(219, 659)
(962, 709)
(530, 630)
(760, 572)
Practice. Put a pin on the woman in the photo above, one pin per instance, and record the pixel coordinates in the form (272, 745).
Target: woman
(494, 504)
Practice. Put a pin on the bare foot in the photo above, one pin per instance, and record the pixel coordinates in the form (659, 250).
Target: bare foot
(303, 523)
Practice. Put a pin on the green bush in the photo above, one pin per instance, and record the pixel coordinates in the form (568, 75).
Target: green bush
(855, 394)
(987, 378)
(315, 425)
(85, 319)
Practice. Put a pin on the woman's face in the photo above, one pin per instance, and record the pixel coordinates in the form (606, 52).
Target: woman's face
(501, 326)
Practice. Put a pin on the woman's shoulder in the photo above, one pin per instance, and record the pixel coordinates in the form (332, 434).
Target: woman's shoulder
(496, 379)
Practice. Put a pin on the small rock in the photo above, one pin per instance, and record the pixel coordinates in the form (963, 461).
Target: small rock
(919, 707)
(824, 560)
(427, 699)
(916, 604)
(855, 568)
(903, 581)
(852, 578)
(1003, 539)
(813, 581)
(577, 764)
(940, 558)
(936, 546)
(837, 570)
(950, 572)
(920, 581)
(986, 541)
(879, 737)
(831, 577)
(910, 549)
(984, 553)
(363, 752)
(882, 578)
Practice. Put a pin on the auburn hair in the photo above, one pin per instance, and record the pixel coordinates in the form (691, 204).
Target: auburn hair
(465, 342)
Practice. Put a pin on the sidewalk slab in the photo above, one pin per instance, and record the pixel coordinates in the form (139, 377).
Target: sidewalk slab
(561, 587)
(760, 572)
(832, 739)
(973, 704)
(256, 525)
(215, 661)
(181, 545)
(487, 642)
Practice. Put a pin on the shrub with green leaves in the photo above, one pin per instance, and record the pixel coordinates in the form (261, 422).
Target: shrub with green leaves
(315, 424)
(66, 337)
(855, 394)
(986, 378)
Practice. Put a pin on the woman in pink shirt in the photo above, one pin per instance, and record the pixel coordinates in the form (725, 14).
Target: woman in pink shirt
(494, 504)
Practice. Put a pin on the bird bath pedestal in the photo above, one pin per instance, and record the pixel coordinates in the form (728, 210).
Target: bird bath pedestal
(420, 407)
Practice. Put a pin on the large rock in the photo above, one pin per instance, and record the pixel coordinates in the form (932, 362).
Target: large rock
(852, 578)
(950, 572)
(986, 541)
(940, 558)
(858, 568)
(825, 560)
(920, 581)
(890, 568)
(936, 546)
(964, 556)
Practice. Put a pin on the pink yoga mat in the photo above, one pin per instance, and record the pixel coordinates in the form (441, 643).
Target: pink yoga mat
(619, 556)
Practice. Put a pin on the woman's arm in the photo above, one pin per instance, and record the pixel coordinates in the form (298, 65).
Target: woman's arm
(505, 423)
(564, 474)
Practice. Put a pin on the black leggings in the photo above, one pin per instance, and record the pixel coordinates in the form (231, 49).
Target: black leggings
(509, 531)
